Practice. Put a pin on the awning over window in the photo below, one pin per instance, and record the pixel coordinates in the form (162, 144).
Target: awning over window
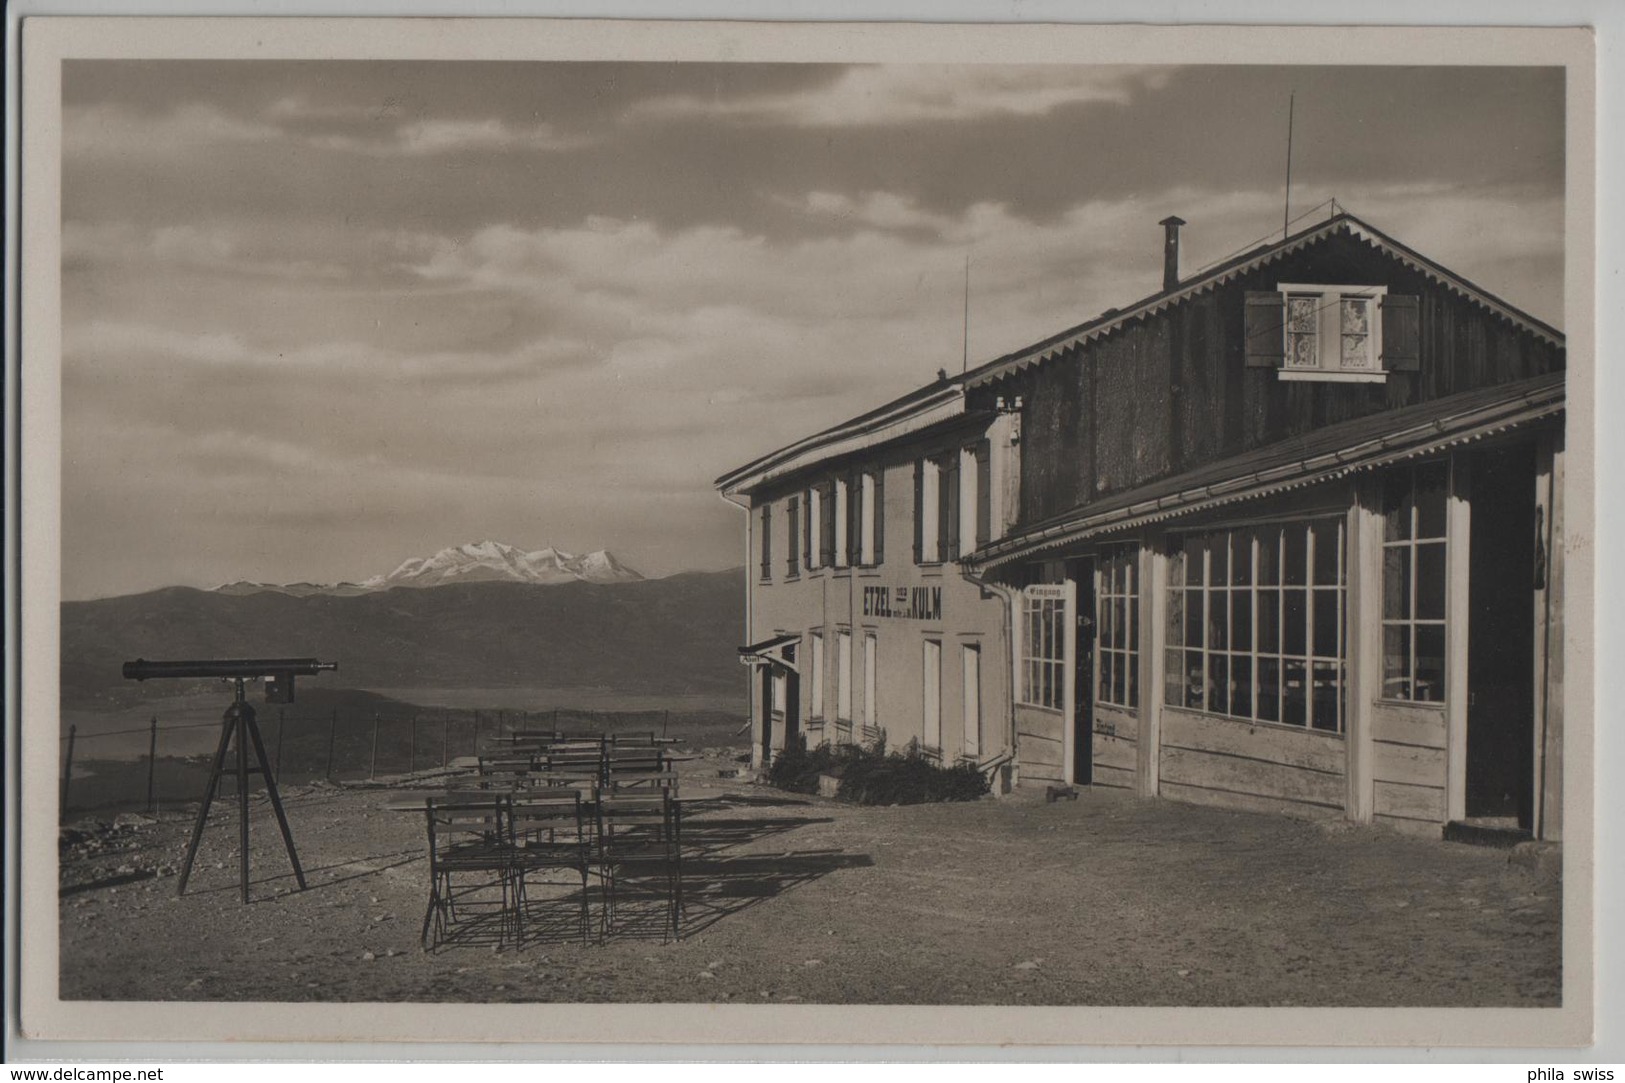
(778, 651)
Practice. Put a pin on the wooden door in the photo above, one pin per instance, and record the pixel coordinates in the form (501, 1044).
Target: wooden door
(1501, 636)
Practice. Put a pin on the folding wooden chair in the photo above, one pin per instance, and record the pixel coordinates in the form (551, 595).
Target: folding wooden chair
(469, 856)
(547, 830)
(576, 764)
(638, 768)
(507, 772)
(639, 854)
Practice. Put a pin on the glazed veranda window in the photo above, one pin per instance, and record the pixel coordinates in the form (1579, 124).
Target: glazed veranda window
(1255, 624)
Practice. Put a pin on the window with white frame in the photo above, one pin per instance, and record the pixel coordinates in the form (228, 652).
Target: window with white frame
(815, 677)
(1255, 623)
(931, 698)
(871, 653)
(970, 483)
(1117, 629)
(971, 666)
(1414, 553)
(792, 519)
(843, 676)
(927, 512)
(1043, 646)
(1320, 332)
(975, 497)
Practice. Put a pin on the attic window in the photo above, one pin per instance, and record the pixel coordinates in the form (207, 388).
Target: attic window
(1332, 333)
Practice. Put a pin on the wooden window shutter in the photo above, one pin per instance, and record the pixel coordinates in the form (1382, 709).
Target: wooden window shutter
(948, 509)
(880, 515)
(826, 524)
(919, 511)
(767, 541)
(806, 530)
(854, 513)
(1401, 333)
(792, 518)
(984, 495)
(1265, 329)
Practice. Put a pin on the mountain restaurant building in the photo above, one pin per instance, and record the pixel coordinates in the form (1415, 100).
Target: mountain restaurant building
(1286, 535)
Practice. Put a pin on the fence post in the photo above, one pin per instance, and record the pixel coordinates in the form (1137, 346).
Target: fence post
(332, 736)
(152, 761)
(67, 768)
(665, 721)
(445, 741)
(281, 724)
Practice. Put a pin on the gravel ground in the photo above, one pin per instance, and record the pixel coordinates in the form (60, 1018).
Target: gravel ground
(1106, 900)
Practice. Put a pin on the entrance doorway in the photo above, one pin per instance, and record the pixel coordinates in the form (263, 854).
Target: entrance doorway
(781, 709)
(1500, 783)
(1082, 572)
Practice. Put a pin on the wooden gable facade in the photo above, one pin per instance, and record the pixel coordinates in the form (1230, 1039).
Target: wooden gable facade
(1175, 389)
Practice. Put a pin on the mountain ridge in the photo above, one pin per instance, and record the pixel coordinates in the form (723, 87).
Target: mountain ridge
(473, 562)
(676, 635)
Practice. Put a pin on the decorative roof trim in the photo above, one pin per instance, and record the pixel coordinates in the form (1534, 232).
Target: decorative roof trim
(1421, 439)
(905, 418)
(1246, 264)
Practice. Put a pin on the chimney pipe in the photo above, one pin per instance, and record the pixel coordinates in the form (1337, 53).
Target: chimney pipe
(1170, 251)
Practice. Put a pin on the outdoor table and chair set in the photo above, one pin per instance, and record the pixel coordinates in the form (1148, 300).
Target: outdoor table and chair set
(568, 809)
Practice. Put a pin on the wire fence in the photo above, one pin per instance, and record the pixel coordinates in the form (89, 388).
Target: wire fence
(100, 773)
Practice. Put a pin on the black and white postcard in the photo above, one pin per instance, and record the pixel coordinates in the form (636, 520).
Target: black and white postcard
(571, 532)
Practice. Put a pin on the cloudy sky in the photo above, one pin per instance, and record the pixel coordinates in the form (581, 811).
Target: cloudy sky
(320, 317)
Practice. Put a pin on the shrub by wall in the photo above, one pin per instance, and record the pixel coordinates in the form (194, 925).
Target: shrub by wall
(873, 776)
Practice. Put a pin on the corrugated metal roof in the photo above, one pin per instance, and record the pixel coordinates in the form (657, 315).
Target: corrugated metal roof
(1330, 452)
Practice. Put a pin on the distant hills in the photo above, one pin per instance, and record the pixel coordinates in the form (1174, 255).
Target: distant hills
(672, 635)
(477, 562)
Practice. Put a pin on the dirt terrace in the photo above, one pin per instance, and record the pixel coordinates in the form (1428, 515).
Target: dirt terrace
(1107, 900)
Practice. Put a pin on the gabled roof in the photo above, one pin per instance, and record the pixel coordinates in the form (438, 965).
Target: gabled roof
(919, 409)
(944, 399)
(1327, 453)
(1343, 224)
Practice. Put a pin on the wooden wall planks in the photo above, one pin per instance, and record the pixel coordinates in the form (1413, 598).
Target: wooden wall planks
(1170, 392)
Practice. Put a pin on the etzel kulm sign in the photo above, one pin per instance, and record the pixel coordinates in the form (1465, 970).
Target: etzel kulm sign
(903, 603)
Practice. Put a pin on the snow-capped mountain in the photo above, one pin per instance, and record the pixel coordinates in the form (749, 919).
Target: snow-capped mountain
(477, 562)
(489, 561)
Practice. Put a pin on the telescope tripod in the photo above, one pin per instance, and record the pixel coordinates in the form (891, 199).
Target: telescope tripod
(237, 726)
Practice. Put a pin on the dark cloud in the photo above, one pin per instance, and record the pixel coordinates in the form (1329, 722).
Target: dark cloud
(1219, 129)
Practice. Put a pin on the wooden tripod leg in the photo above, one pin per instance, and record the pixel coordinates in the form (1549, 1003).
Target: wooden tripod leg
(208, 799)
(242, 791)
(276, 799)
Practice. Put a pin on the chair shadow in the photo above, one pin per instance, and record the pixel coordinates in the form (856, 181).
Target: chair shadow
(742, 800)
(710, 836)
(716, 887)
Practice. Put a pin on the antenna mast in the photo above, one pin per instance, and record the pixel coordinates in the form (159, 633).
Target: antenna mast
(1286, 212)
(964, 331)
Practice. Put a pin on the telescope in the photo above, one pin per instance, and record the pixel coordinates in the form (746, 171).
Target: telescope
(238, 728)
(277, 672)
